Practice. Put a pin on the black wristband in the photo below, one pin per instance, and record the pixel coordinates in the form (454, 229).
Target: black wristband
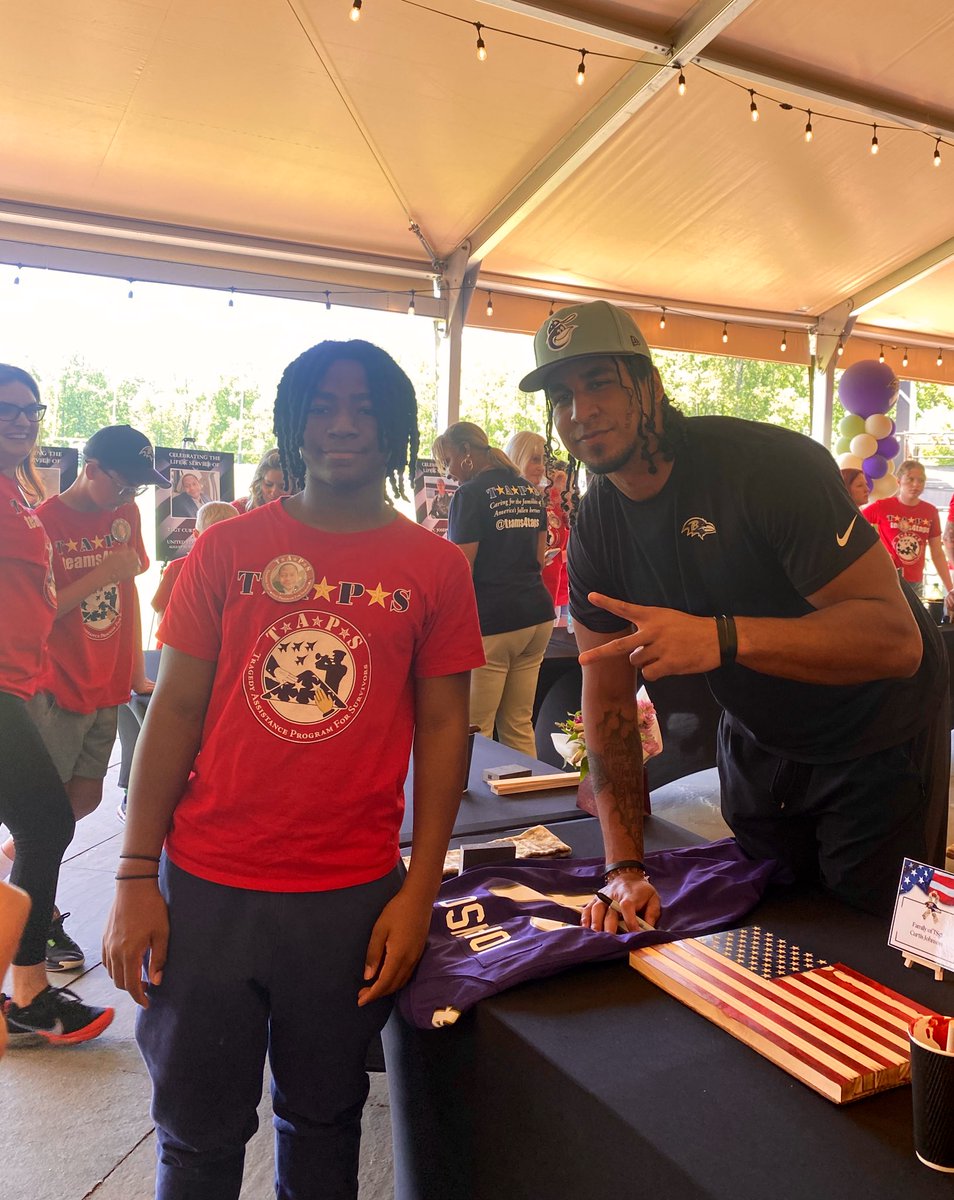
(120, 878)
(728, 639)
(625, 864)
(143, 857)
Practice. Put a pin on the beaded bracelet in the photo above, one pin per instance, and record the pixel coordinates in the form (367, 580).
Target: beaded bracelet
(625, 864)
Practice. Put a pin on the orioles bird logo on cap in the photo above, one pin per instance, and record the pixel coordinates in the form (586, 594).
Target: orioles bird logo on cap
(559, 331)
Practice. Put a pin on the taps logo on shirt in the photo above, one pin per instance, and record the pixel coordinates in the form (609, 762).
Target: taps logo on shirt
(100, 611)
(698, 527)
(308, 676)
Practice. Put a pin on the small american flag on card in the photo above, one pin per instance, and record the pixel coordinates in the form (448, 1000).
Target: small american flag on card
(836, 1030)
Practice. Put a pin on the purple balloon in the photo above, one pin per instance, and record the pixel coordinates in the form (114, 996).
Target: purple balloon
(889, 447)
(870, 482)
(868, 387)
(874, 467)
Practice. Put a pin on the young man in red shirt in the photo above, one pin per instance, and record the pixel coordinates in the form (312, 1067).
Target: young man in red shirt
(94, 653)
(271, 768)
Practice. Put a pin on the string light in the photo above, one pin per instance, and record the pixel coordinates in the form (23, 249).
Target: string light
(16, 278)
(410, 306)
(904, 360)
(881, 355)
(232, 298)
(725, 333)
(682, 82)
(481, 47)
(662, 319)
(783, 345)
(841, 347)
(581, 69)
(809, 132)
(552, 307)
(753, 107)
(940, 357)
(327, 301)
(874, 140)
(937, 153)
(355, 13)
(129, 294)
(490, 304)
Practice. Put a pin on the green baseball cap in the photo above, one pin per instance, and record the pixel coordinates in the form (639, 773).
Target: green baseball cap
(581, 330)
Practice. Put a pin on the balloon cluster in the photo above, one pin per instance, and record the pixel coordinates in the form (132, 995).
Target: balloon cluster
(867, 391)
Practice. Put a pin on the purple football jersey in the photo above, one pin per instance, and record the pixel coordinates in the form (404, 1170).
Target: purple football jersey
(494, 927)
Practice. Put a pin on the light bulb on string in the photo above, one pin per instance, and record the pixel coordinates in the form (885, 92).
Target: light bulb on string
(937, 153)
(940, 358)
(753, 107)
(552, 307)
(581, 69)
(490, 304)
(129, 294)
(874, 140)
(841, 347)
(809, 131)
(410, 305)
(681, 85)
(16, 278)
(481, 45)
(355, 13)
(662, 319)
(725, 333)
(904, 360)
(327, 301)
(881, 354)
(232, 298)
(783, 345)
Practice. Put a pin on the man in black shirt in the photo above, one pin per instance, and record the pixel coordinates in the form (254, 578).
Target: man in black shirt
(730, 548)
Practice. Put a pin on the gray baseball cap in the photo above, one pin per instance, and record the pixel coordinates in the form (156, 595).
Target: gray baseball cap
(581, 330)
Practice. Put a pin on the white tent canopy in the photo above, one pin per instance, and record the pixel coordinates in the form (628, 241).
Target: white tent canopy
(276, 146)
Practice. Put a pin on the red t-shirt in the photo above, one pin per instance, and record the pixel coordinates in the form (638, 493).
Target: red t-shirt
(905, 529)
(27, 592)
(554, 570)
(317, 639)
(241, 504)
(90, 659)
(160, 601)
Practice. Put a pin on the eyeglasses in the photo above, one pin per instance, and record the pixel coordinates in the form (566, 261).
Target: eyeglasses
(125, 489)
(32, 412)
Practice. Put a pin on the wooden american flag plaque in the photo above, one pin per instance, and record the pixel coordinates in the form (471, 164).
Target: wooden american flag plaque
(834, 1029)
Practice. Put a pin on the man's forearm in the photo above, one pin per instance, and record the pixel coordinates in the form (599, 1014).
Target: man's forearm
(615, 757)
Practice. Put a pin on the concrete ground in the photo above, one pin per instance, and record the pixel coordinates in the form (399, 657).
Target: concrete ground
(74, 1122)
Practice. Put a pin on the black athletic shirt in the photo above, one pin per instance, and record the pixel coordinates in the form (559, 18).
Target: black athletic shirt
(505, 515)
(751, 521)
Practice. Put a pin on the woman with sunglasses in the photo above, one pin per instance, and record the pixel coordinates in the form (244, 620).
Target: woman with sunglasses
(33, 802)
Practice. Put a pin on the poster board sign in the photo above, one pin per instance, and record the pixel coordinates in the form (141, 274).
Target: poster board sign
(196, 477)
(922, 926)
(57, 467)
(432, 496)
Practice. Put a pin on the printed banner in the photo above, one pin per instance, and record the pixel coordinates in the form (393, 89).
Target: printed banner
(196, 477)
(432, 496)
(57, 467)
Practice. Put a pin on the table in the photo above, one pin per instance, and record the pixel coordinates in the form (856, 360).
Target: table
(481, 812)
(595, 1083)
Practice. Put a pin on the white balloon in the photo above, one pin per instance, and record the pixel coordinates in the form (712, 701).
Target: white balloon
(885, 487)
(864, 445)
(878, 425)
(849, 462)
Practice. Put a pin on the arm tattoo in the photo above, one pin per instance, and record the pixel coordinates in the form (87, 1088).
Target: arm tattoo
(619, 767)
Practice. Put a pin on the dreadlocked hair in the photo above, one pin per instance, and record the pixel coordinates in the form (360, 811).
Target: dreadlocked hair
(634, 373)
(26, 475)
(392, 398)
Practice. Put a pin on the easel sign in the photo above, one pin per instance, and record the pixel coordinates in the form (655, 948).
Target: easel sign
(922, 927)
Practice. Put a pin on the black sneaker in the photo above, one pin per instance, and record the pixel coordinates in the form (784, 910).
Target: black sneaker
(62, 953)
(57, 1016)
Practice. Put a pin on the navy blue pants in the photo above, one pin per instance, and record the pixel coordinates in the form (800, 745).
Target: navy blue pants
(848, 824)
(250, 973)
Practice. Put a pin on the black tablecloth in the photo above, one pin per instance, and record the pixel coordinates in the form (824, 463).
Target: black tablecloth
(597, 1084)
(482, 812)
